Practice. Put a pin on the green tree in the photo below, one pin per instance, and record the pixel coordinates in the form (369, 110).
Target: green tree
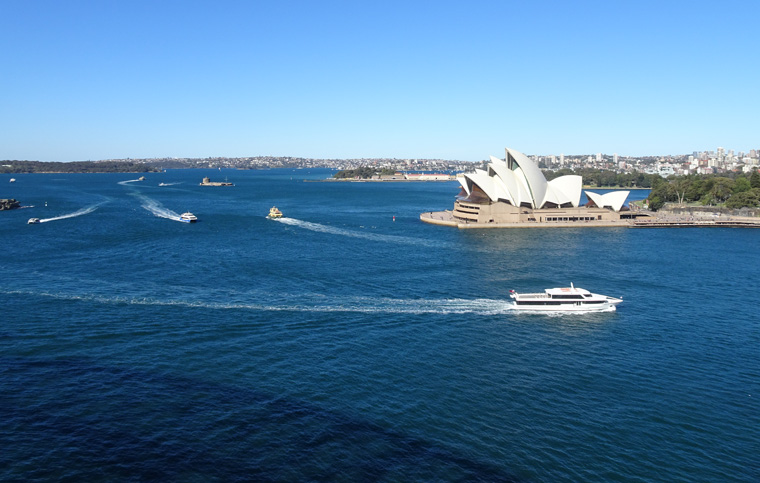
(741, 184)
(754, 179)
(655, 202)
(696, 189)
(749, 198)
(722, 189)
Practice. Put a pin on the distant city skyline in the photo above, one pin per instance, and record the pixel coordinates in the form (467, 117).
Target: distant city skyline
(95, 80)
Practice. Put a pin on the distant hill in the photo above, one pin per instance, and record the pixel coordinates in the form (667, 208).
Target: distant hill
(255, 162)
(75, 167)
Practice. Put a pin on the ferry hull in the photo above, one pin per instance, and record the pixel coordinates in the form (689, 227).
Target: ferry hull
(605, 307)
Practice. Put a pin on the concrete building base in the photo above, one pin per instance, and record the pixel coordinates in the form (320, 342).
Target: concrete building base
(446, 218)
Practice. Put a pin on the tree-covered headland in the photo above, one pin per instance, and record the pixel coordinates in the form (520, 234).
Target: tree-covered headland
(730, 190)
(8, 167)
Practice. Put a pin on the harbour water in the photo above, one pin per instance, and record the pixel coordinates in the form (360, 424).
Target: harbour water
(337, 344)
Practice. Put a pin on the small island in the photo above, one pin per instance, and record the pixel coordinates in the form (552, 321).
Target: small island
(385, 174)
(207, 182)
(9, 204)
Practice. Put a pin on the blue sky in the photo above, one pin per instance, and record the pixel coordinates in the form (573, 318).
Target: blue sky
(399, 79)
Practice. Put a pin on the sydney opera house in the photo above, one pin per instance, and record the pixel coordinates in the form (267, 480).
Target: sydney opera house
(513, 190)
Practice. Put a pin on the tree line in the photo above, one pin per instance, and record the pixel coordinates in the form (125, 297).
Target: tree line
(8, 167)
(737, 191)
(365, 172)
(607, 179)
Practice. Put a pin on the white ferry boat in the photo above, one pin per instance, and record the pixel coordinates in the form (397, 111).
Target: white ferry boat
(565, 299)
(188, 217)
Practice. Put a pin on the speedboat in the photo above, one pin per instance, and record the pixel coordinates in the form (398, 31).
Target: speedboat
(275, 213)
(188, 217)
(565, 299)
(33, 221)
(13, 180)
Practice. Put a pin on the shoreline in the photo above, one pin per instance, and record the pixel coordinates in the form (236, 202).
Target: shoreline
(340, 180)
(446, 218)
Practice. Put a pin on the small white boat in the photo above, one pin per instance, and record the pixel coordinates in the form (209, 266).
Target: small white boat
(565, 299)
(162, 184)
(274, 213)
(188, 217)
(33, 221)
(13, 180)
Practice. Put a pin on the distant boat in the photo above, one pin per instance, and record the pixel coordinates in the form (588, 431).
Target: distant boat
(33, 221)
(13, 180)
(141, 178)
(188, 217)
(274, 213)
(162, 184)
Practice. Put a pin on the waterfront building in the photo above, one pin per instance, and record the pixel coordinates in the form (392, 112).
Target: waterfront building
(514, 190)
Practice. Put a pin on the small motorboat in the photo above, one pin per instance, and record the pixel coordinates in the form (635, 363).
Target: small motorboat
(188, 217)
(33, 221)
(274, 213)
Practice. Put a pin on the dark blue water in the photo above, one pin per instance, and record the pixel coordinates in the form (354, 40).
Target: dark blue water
(340, 345)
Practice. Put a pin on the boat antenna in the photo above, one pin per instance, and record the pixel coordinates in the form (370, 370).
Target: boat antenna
(572, 287)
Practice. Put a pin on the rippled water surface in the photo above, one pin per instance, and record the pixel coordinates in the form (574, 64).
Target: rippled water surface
(337, 344)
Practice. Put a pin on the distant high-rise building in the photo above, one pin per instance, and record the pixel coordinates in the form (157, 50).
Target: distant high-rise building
(615, 158)
(562, 159)
(598, 157)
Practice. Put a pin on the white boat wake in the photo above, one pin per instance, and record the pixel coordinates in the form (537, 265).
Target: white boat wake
(356, 234)
(169, 184)
(331, 305)
(124, 183)
(157, 208)
(81, 212)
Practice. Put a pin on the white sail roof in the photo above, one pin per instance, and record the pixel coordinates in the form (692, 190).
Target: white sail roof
(530, 175)
(613, 199)
(466, 185)
(563, 190)
(517, 180)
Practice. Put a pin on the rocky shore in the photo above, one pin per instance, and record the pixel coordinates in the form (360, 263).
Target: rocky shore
(9, 204)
